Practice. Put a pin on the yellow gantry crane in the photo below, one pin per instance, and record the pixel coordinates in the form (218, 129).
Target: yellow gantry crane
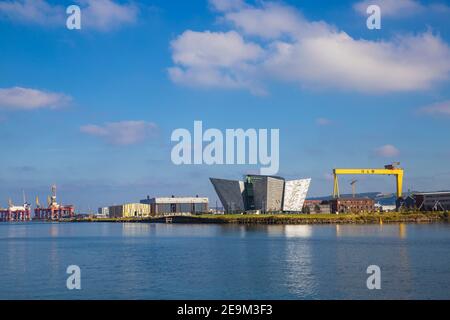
(390, 169)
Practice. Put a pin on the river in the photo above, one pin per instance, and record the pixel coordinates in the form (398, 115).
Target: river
(192, 261)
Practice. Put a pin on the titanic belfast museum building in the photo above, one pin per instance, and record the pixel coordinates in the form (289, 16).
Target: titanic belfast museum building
(264, 193)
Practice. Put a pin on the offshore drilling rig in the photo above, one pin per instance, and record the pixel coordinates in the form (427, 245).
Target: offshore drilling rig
(16, 213)
(54, 210)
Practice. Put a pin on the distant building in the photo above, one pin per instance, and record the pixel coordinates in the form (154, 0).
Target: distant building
(174, 205)
(312, 202)
(129, 210)
(263, 193)
(352, 205)
(385, 207)
(309, 206)
(103, 212)
(432, 201)
(316, 206)
(407, 203)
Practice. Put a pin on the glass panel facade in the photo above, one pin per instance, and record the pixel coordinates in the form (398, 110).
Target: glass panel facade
(181, 208)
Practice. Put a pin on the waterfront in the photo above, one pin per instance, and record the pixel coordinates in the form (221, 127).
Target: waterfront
(286, 219)
(212, 261)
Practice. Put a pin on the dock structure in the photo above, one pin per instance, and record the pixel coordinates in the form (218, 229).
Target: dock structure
(54, 210)
(16, 213)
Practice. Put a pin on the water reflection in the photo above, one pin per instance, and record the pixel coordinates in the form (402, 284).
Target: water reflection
(290, 231)
(402, 230)
(275, 230)
(297, 269)
(381, 230)
(53, 230)
(17, 230)
(304, 231)
(53, 258)
(300, 278)
(135, 229)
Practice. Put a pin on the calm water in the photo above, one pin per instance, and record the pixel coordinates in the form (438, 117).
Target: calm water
(159, 261)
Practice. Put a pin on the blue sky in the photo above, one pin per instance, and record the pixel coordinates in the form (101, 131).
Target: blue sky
(92, 110)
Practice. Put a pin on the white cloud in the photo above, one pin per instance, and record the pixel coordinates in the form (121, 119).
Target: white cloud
(391, 8)
(309, 54)
(270, 21)
(207, 77)
(216, 49)
(437, 109)
(105, 15)
(387, 151)
(213, 59)
(18, 98)
(273, 21)
(401, 8)
(336, 60)
(32, 11)
(123, 132)
(102, 15)
(227, 5)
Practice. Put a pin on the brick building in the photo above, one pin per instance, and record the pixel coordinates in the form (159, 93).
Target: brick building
(352, 205)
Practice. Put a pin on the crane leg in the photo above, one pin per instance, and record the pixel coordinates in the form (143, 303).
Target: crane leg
(399, 185)
(336, 187)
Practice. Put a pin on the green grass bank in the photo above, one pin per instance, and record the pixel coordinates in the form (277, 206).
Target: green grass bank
(369, 218)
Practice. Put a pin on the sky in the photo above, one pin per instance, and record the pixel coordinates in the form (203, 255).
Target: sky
(92, 110)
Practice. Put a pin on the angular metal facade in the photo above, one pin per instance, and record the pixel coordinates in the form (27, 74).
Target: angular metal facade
(259, 187)
(265, 193)
(230, 194)
(295, 194)
(274, 195)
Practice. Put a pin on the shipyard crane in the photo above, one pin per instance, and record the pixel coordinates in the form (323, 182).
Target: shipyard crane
(389, 169)
(352, 183)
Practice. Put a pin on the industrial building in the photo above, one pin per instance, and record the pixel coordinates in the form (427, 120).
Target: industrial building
(352, 205)
(432, 201)
(130, 210)
(316, 206)
(385, 207)
(263, 193)
(103, 212)
(177, 205)
(426, 201)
